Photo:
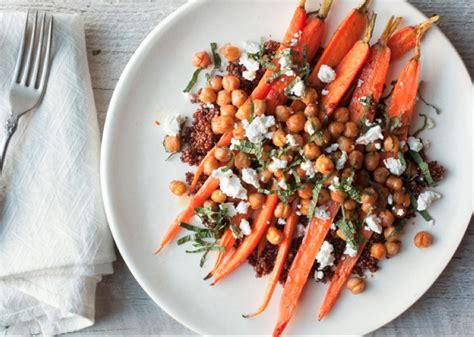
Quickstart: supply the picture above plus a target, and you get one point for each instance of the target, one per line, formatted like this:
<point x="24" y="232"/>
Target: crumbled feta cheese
<point x="242" y="207"/>
<point x="430" y="123"/>
<point x="282" y="184"/>
<point x="251" y="66"/>
<point x="298" y="213"/>
<point x="234" y="143"/>
<point x="402" y="84"/>
<point x="298" y="88"/>
<point x="378" y="146"/>
<point x="230" y="184"/>
<point x="400" y="212"/>
<point x="373" y="223"/>
<point x="325" y="256"/>
<point x="231" y="210"/>
<point x="300" y="231"/>
<point x="173" y="123"/>
<point x="390" y="199"/>
<point x="334" y="184"/>
<point x="291" y="140"/>
<point x="326" y="74"/>
<point x="402" y="143"/>
<point x="257" y="131"/>
<point x="333" y="226"/>
<point x="359" y="83"/>
<point x="370" y="136"/>
<point x="324" y="92"/>
<point x="426" y="198"/>
<point x="426" y="143"/>
<point x="249" y="75"/>
<point x="414" y="144"/>
<point x="281" y="221"/>
<point x="331" y="148"/>
<point x="187" y="95"/>
<point x="395" y="166"/>
<point x="245" y="227"/>
<point x="318" y="274"/>
<point x="308" y="167"/>
<point x="322" y="213"/>
<point x="250" y="176"/>
<point x="277" y="164"/>
<point x="341" y="161"/>
<point x="310" y="129"/>
<point x="295" y="38"/>
<point x="285" y="61"/>
<point x="431" y="222"/>
<point x="363" y="100"/>
<point x="350" y="251"/>
<point x="251" y="47"/>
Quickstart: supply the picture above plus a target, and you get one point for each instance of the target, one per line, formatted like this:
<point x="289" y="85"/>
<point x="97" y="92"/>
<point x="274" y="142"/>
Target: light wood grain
<point x="114" y="29"/>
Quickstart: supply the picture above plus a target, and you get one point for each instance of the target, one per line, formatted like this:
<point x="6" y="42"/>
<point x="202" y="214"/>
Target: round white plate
<point x="140" y="207"/>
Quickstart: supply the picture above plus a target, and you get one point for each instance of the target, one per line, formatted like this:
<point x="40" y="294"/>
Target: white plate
<point x="139" y="205"/>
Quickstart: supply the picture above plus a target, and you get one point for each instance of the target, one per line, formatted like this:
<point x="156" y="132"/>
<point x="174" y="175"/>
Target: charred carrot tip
<point x="325" y="8"/>
<point x="157" y="123"/>
<point x="213" y="284"/>
<point x="363" y="6"/>
<point x="208" y="276"/>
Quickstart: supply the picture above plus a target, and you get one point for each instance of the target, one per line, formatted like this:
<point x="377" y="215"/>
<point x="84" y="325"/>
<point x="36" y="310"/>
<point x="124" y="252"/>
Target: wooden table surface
<point x="113" y="32"/>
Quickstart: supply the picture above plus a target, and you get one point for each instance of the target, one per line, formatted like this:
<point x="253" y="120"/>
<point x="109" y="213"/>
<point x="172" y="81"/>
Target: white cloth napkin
<point x="55" y="244"/>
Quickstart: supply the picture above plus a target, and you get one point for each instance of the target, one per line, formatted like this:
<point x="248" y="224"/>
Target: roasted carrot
<point x="341" y="276"/>
<point x="346" y="72"/>
<point x="373" y="76"/>
<point x="202" y="195"/>
<point x="405" y="39"/>
<point x="251" y="241"/>
<point x="283" y="250"/>
<point x="301" y="266"/>
<point x="346" y="35"/>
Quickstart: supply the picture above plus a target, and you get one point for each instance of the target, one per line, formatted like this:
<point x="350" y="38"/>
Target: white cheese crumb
<point x="426" y="198"/>
<point x="350" y="251"/>
<point x="250" y="176"/>
<point x="400" y="212"/>
<point x="325" y="256"/>
<point x="277" y="164"/>
<point x="245" y="227"/>
<point x="234" y="143"/>
<point x="332" y="148"/>
<point x="251" y="66"/>
<point x="308" y="167"/>
<point x="341" y="161"/>
<point x="300" y="231"/>
<point x="373" y="223"/>
<point x="370" y="136"/>
<point x="333" y="226"/>
<point x="322" y="213"/>
<point x="359" y="83"/>
<point x="390" y="199"/>
<point x="282" y="184"/>
<point x="318" y="274"/>
<point x="257" y="131"/>
<point x="249" y="75"/>
<point x="378" y="146"/>
<point x="230" y="184"/>
<point x="298" y="88"/>
<point x="281" y="221"/>
<point x="431" y="222"/>
<point x="242" y="207"/>
<point x="173" y="123"/>
<point x="430" y="123"/>
<point x="395" y="166"/>
<point x="251" y="47"/>
<point x="291" y="140"/>
<point x="294" y="40"/>
<point x="326" y="74"/>
<point x="231" y="210"/>
<point x="310" y="129"/>
<point x="334" y="184"/>
<point x="298" y="213"/>
<point x="414" y="144"/>
<point x="324" y="92"/>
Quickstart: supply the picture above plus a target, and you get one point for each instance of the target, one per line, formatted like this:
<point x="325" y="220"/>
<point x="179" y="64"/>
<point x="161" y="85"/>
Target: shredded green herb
<point x="275" y="75"/>
<point x="398" y="228"/>
<point x="215" y="56"/>
<point x="367" y="102"/>
<point x="424" y="214"/>
<point x="434" y="107"/>
<point x="316" y="189"/>
<point x="423" y="127"/>
<point x="349" y="229"/>
<point x="346" y="186"/>
<point x="401" y="157"/>
<point x="391" y="90"/>
<point x="193" y="80"/>
<point x="424" y="168"/>
<point x="248" y="147"/>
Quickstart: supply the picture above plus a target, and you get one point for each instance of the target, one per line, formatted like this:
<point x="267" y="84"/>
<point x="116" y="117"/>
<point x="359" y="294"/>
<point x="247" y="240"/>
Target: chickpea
<point x="256" y="200"/>
<point x="336" y="129"/>
<point x="312" y="125"/>
<point x="350" y="204"/>
<point x="223" y="154"/>
<point x="311" y="151"/>
<point x="362" y="178"/>
<point x="266" y="152"/>
<point x="399" y="197"/>
<point x="172" y="144"/>
<point x="215" y="82"/>
<point x="391" y="233"/>
<point x="323" y="139"/>
<point x="305" y="205"/>
<point x="244" y="112"/>
<point x="178" y="187"/>
<point x="274" y="235"/>
<point x="340" y="234"/>
<point x="298" y="140"/>
<point x="372" y="161"/>
<point x="210" y="164"/>
<point x="218" y="196"/>
<point x="369" y="196"/>
<point x="391" y="144"/>
<point x="381" y="174"/>
<point x="341" y="115"/>
<point x="242" y="160"/>
<point x="378" y="251"/>
<point x="346" y="173"/>
<point x="259" y="107"/>
<point x="296" y="122"/>
<point x="201" y="59"/>
<point x="306" y="191"/>
<point x="338" y="196"/>
<point x="423" y="239"/>
<point x="301" y="173"/>
<point x="223" y="98"/>
<point x="386" y="218"/>
<point x="282" y="113"/>
<point x="324" y="164"/>
<point x="392" y="247"/>
<point x="356" y="285"/>
<point x="282" y="210"/>
<point x="311" y="110"/>
<point x="310" y="97"/>
<point x="394" y="183"/>
<point x="210" y="204"/>
<point x="367" y="208"/>
<point x="228" y="110"/>
<point x="323" y="196"/>
<point x="346" y="144"/>
<point x="230" y="82"/>
<point x="230" y="52"/>
<point x="265" y="176"/>
<point x="239" y="97"/>
<point x="371" y="147"/>
<point x="356" y="159"/>
<point x="298" y="105"/>
<point x="351" y="130"/>
<point x="221" y="124"/>
<point x="238" y="132"/>
<point x="207" y="95"/>
<point x="279" y="138"/>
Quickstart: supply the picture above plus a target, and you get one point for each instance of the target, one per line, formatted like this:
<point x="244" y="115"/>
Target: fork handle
<point x="10" y="128"/>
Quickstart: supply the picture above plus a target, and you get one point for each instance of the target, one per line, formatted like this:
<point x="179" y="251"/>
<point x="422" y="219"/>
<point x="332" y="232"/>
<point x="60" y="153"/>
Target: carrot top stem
<point x="419" y="35"/>
<point x="325" y="8"/>
<point x="302" y="3"/>
<point x="363" y="8"/>
<point x="370" y="28"/>
<point x="392" y="24"/>
<point x="425" y="25"/>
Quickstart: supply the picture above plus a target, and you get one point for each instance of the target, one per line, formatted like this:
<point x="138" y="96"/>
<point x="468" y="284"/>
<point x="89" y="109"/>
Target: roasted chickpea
<point x="306" y="191"/>
<point x="230" y="52"/>
<point x="242" y="160"/>
<point x="310" y="96"/>
<point x="371" y="161"/>
<point x="298" y="105"/>
<point x="311" y="110"/>
<point x="238" y="132"/>
<point x="356" y="158"/>
<point x="338" y="196"/>
<point x="256" y="200"/>
<point x="210" y="204"/>
<point x="228" y="110"/>
<point x="178" y="187"/>
<point x="221" y="124"/>
<point x="210" y="164"/>
<point x="369" y="196"/>
<point x="312" y="125"/>
<point x="207" y="95"/>
<point x="223" y="98"/>
<point x="378" y="251"/>
<point x="218" y="196"/>
<point x="296" y="122"/>
<point x="265" y="176"/>
<point x="279" y="138"/>
<point x="399" y="197"/>
<point x="392" y="247"/>
<point x="356" y="285"/>
<point x="172" y="144"/>
<point x="238" y="97"/>
<point x="372" y="147"/>
<point x="351" y="130"/>
<point x="282" y="210"/>
<point x="336" y="129"/>
<point x="215" y="82"/>
<point x="350" y="204"/>
<point x="324" y="164"/>
<point x="323" y="196"/>
<point x="394" y="183"/>
<point x="423" y="239"/>
<point x="282" y="113"/>
<point x="259" y="106"/>
<point x="223" y="154"/>
<point x="274" y="235"/>
<point x="341" y="115"/>
<point x="346" y="144"/>
<point x="346" y="173"/>
<point x="244" y="112"/>
<point x="362" y="178"/>
<point x="391" y="144"/>
<point x="201" y="59"/>
<point x="381" y="174"/>
<point x="386" y="217"/>
<point x="230" y="82"/>
<point x="311" y="151"/>
<point x="305" y="205"/>
<point x="298" y="140"/>
<point x="323" y="139"/>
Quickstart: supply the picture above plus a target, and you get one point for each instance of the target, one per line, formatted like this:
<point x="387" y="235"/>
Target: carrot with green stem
<point x="302" y="264"/>
<point x="251" y="241"/>
<point x="346" y="72"/>
<point x="283" y="250"/>
<point x="405" y="39"/>
<point x="373" y="76"/>
<point x="346" y="35"/>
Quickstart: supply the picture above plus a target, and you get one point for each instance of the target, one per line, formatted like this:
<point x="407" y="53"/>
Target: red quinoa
<point x="202" y="179"/>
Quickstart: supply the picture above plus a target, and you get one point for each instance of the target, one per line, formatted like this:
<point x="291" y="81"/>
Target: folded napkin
<point x="54" y="241"/>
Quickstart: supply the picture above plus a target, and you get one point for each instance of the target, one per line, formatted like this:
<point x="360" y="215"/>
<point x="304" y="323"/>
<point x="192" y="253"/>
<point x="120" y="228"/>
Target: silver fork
<point x="30" y="76"/>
